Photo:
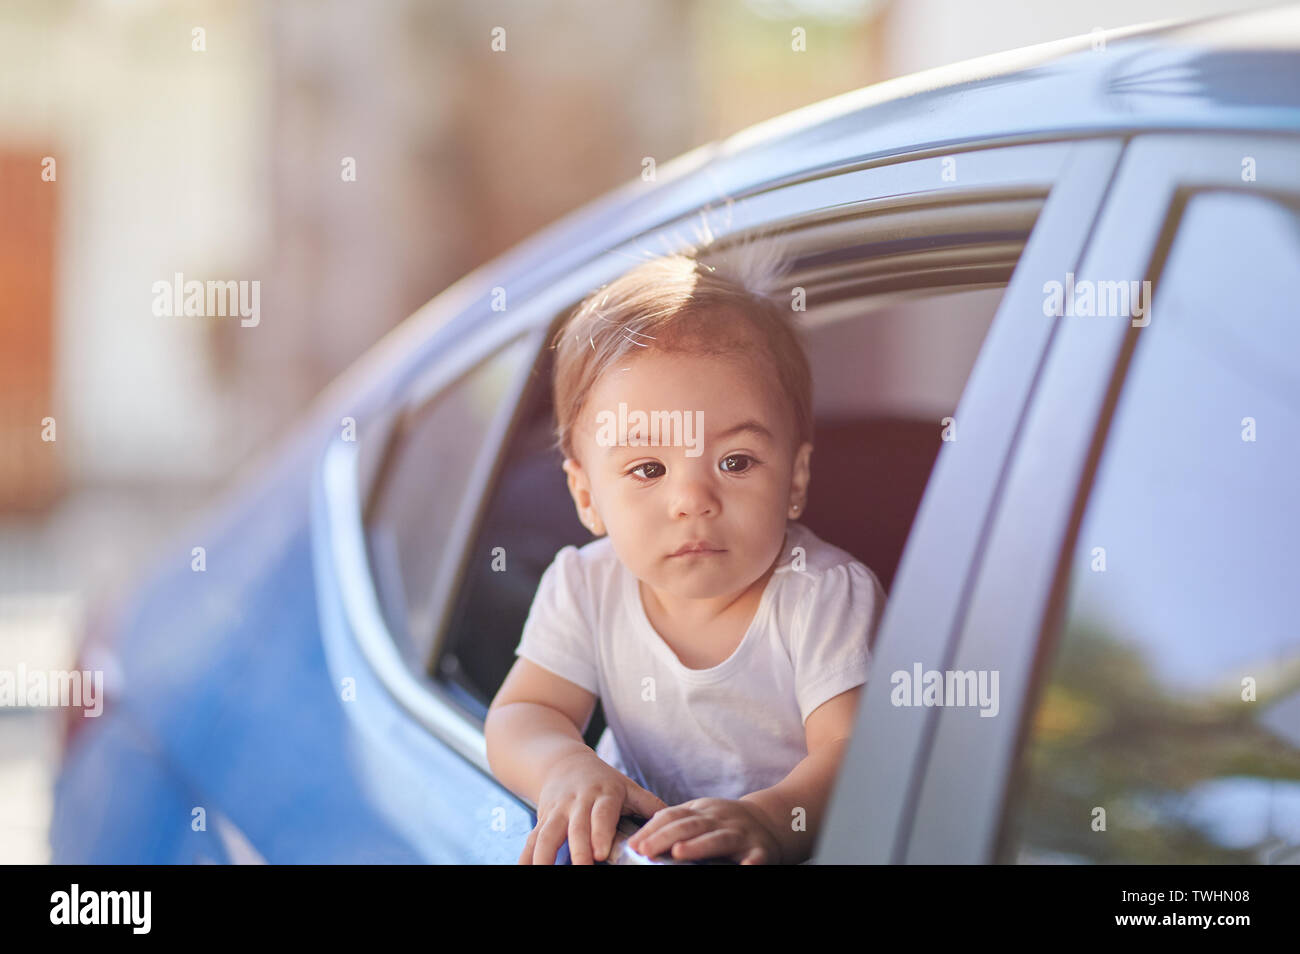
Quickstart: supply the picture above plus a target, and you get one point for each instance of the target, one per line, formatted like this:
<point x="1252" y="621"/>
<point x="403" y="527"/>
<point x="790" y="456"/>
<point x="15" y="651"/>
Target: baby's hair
<point x="711" y="304"/>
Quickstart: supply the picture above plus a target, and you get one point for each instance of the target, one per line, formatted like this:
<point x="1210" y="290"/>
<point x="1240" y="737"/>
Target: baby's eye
<point x="736" y="463"/>
<point x="648" y="465"/>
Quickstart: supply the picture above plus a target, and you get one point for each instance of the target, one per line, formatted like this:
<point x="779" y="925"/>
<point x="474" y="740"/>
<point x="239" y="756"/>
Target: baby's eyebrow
<point x="750" y="425"/>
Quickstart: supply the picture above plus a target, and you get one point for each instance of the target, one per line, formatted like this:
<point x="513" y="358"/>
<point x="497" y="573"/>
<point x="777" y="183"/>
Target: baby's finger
<point x="674" y="831"/>
<point x="580" y="834"/>
<point x="642" y="802"/>
<point x="605" y="814"/>
<point x="660" y="819"/>
<point x="526" y="856"/>
<point x="549" y="840"/>
<point x="713" y="844"/>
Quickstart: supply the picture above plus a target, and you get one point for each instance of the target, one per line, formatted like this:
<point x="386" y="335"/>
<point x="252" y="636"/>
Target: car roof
<point x="1233" y="72"/>
<point x="1239" y="72"/>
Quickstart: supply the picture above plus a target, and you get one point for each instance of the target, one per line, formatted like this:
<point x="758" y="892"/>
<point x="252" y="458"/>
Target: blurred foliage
<point x="1107" y="733"/>
<point x="749" y="72"/>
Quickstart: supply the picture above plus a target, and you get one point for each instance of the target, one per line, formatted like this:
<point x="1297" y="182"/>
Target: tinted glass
<point x="530" y="517"/>
<point x="1172" y="701"/>
<point x="423" y="484"/>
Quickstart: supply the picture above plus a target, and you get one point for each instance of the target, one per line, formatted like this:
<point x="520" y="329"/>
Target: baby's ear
<point x="803" y="457"/>
<point x="580" y="490"/>
<point x="801" y="474"/>
<point x="577" y="477"/>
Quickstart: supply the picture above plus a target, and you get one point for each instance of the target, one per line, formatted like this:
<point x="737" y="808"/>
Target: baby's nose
<point x="695" y="498"/>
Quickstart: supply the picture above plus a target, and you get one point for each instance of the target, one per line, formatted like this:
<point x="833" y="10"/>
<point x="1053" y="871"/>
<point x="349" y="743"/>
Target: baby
<point x="727" y="643"/>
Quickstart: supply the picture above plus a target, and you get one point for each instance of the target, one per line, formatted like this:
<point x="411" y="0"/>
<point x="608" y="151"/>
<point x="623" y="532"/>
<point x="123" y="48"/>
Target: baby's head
<point x="683" y="405"/>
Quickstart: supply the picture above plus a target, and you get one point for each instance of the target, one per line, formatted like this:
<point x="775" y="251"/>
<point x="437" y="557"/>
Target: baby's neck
<point x="699" y="614"/>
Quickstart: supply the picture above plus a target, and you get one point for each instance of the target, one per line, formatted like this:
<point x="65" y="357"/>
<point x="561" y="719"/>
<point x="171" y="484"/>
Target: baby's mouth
<point x="697" y="549"/>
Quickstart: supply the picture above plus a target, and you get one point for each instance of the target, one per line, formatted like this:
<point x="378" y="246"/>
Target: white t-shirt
<point x="721" y="732"/>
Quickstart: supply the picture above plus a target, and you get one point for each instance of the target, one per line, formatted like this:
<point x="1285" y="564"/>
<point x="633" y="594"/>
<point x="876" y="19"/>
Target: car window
<point x="528" y="519"/>
<point x="1168" y="726"/>
<point x="876" y="442"/>
<point x="909" y="280"/>
<point x="421" y="487"/>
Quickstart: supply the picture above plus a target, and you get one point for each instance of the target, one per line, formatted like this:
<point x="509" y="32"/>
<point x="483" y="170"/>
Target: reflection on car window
<point x="422" y="487"/>
<point x="529" y="516"/>
<point x="1171" y="712"/>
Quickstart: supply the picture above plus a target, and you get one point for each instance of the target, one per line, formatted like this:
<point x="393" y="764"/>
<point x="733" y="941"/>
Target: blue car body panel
<point x="232" y="701"/>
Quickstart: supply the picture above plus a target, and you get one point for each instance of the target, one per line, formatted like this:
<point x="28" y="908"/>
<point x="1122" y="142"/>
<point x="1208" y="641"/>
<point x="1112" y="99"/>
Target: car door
<point x="425" y="694"/>
<point x="870" y="811"/>
<point x="1134" y="593"/>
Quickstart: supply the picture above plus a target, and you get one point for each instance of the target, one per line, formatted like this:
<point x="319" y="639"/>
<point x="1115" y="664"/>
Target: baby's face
<point x="726" y="479"/>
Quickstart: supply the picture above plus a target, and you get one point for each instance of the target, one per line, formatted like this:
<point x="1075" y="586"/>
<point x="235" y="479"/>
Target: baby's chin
<point x="697" y="581"/>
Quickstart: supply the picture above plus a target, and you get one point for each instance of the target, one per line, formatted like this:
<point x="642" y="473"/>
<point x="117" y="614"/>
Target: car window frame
<point x="922" y="618"/>
<point x="985" y="171"/>
<point x="1017" y="606"/>
<point x="340" y="493"/>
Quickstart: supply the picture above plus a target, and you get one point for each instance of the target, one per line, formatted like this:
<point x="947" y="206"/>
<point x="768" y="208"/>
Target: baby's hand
<point x="582" y="799"/>
<point x="709" y="828"/>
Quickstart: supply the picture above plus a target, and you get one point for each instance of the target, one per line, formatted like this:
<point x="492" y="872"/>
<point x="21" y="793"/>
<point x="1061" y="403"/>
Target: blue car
<point x="1053" y="316"/>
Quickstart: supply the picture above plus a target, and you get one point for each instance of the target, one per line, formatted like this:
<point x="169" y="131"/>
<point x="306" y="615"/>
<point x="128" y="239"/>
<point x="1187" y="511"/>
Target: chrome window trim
<point x="427" y="702"/>
<point x="343" y="494"/>
<point x="1007" y="172"/>
<point x="962" y="799"/>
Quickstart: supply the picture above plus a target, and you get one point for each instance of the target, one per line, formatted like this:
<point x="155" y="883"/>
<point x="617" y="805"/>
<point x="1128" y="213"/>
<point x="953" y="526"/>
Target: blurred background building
<point x="354" y="159"/>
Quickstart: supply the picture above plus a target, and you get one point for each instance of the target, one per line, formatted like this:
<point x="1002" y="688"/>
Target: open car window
<point x="892" y="329"/>
<point x="901" y="266"/>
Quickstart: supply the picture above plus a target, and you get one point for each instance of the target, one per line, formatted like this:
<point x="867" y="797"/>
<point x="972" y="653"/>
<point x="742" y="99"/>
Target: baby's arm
<point x="533" y="722"/>
<point x="535" y="748"/>
<point x="808" y="786"/>
<point x="758" y="828"/>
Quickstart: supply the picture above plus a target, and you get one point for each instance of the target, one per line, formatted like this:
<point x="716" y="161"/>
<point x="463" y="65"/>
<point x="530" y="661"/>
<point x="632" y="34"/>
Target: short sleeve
<point x="557" y="635"/>
<point x="830" y="641"/>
